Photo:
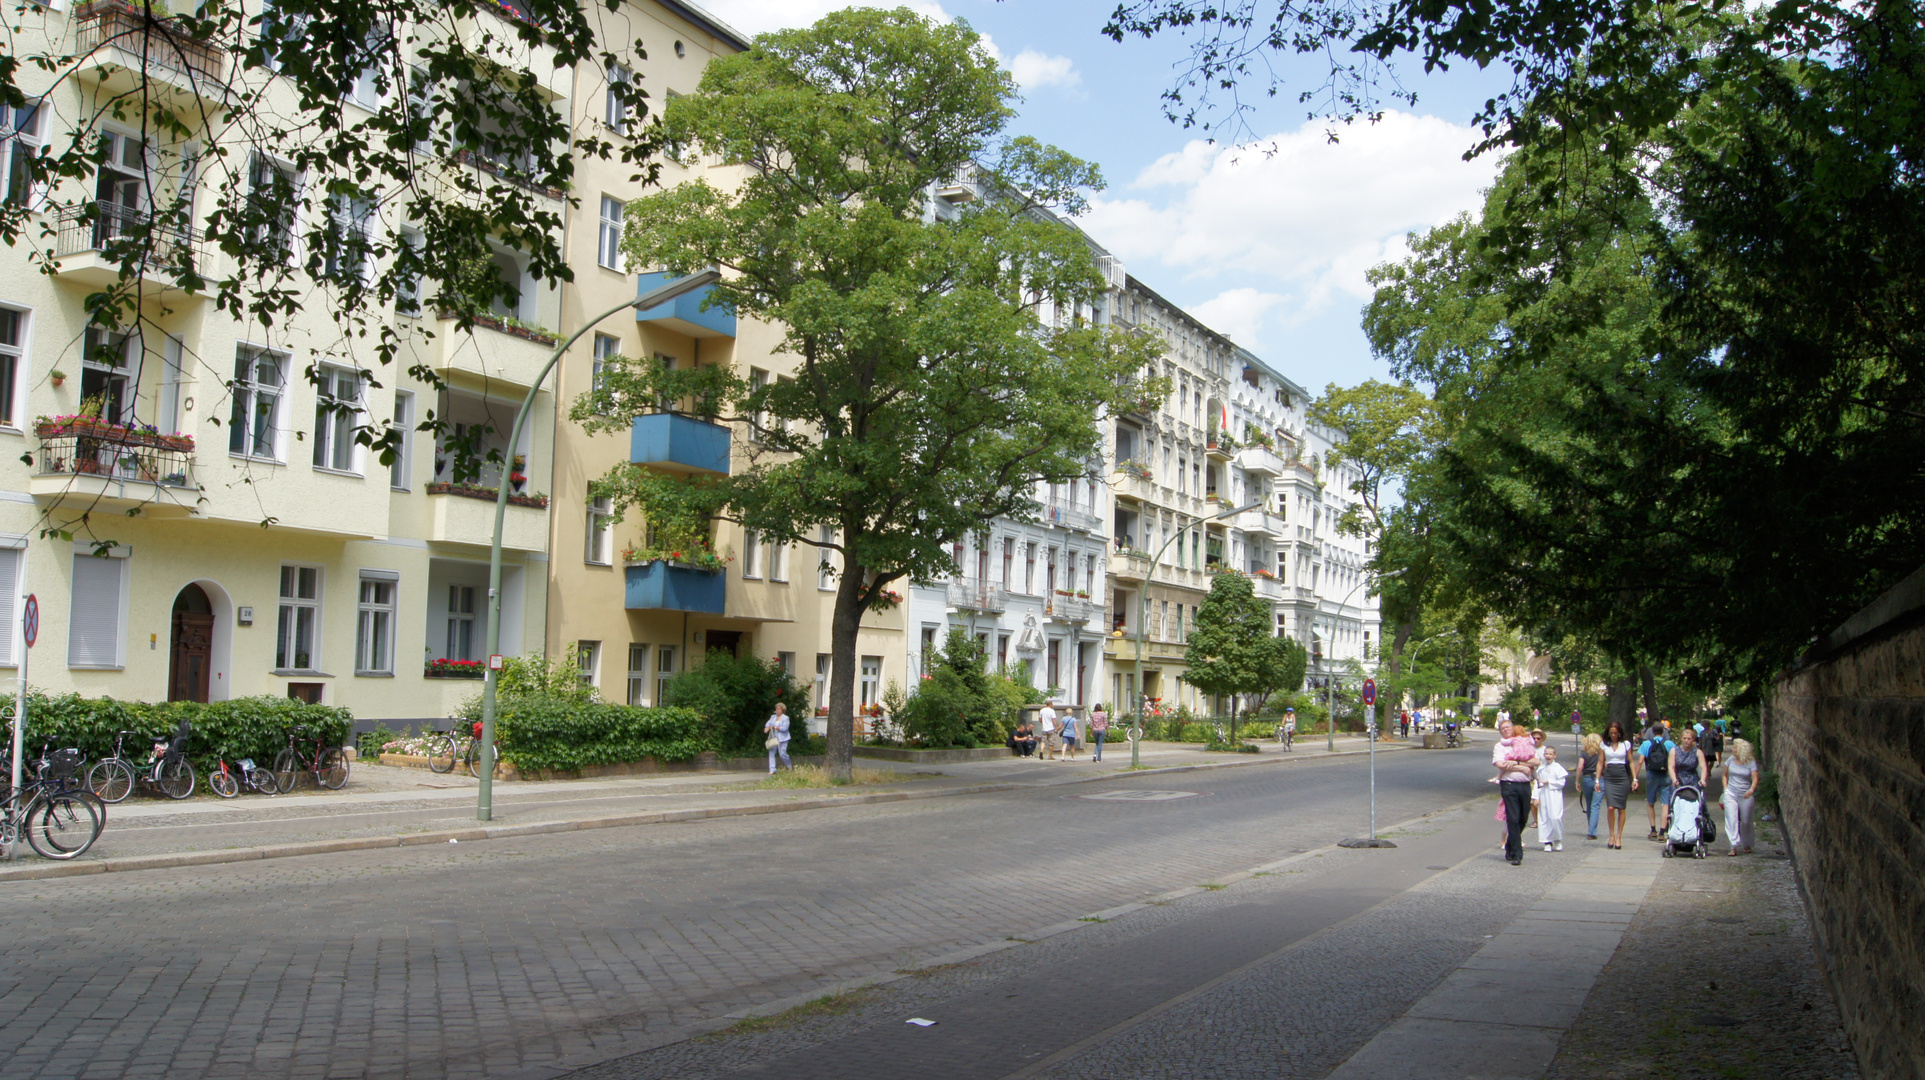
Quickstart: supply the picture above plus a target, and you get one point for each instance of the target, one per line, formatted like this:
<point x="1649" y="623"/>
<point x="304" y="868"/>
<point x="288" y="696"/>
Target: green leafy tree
<point x="735" y="696"/>
<point x="957" y="703"/>
<point x="1234" y="648"/>
<point x="928" y="398"/>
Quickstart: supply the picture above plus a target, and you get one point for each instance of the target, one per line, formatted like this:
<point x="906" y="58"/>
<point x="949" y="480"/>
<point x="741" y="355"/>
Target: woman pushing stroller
<point x="1690" y="821"/>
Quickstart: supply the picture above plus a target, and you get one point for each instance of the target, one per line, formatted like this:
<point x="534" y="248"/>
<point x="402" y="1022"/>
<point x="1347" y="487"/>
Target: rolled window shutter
<point x="93" y="634"/>
<point x="10" y="602"/>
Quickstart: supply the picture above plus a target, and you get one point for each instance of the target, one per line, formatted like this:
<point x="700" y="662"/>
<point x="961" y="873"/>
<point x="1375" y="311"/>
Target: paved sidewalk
<point x="385" y="806"/>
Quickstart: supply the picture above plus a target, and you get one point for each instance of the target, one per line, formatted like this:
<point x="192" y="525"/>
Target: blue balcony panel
<point x="679" y="444"/>
<point x="661" y="586"/>
<point x="684" y="314"/>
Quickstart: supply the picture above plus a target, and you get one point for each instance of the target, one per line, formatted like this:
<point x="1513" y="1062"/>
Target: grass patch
<point x="815" y="776"/>
<point x="826" y="1005"/>
<point x="1211" y="887"/>
<point x="1091" y="918"/>
<point x="927" y="972"/>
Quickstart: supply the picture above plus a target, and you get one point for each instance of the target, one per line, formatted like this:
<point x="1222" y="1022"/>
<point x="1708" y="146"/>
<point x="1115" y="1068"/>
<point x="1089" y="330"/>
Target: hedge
<point x="254" y="727"/>
<point x="536" y="732"/>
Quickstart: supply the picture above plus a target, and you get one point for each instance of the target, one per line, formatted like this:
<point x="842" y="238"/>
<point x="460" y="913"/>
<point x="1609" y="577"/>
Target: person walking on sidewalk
<point x="1046" y="731"/>
<point x="1099" y="729"/>
<point x="1740" y="793"/>
<point x="1515" y="759"/>
<point x="1687" y="764"/>
<point x="1616" y="780"/>
<point x="1537" y="739"/>
<point x="1069" y="736"/>
<point x="1550" y="801"/>
<point x="1588" y="796"/>
<point x="776" y="738"/>
<point x="1654" y="754"/>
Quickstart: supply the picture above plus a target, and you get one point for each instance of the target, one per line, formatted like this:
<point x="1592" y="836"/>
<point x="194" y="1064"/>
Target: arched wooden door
<point x="190" y="646"/>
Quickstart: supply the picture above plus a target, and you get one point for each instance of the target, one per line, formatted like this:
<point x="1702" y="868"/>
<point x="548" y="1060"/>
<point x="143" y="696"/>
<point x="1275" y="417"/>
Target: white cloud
<point x="1032" y="69"/>
<point x="1294" y="220"/>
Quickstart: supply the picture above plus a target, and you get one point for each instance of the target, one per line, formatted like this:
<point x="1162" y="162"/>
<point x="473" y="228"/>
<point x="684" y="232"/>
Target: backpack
<point x="1713" y="742"/>
<point x="1657" y="760"/>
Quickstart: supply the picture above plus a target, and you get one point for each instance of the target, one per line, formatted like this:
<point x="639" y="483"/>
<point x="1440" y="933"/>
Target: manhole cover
<point x="1717" y="1020"/>
<point x="1139" y="796"/>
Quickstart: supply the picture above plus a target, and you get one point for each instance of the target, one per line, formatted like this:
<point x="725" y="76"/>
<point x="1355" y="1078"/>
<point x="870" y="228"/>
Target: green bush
<point x="566" y="734"/>
<point x="254" y="727"/>
<point x="1489" y="716"/>
<point x="956" y="703"/>
<point x="735" y="696"/>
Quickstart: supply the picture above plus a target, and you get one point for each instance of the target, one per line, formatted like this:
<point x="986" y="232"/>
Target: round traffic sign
<point x="1370" y="691"/>
<point x="30" y="620"/>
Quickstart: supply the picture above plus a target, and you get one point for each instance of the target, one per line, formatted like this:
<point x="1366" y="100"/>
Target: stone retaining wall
<point x="1845" y="734"/>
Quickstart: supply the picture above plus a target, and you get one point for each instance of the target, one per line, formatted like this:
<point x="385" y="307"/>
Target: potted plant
<point x="58" y="376"/>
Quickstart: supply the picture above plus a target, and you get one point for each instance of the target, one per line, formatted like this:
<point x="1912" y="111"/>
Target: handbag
<point x="772" y="741"/>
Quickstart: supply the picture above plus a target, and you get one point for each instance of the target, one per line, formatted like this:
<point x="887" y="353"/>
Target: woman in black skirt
<point x="1614" y="777"/>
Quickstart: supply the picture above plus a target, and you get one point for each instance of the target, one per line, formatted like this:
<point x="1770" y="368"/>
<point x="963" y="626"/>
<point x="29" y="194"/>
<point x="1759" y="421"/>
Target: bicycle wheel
<point x="480" y="762"/>
<point x="224" y="783"/>
<point x="441" y="753"/>
<point x="61" y="826"/>
<point x="287" y="770"/>
<point x="265" y="782"/>
<point x="111" y="779"/>
<point x="332" y="771"/>
<point x="177" y="778"/>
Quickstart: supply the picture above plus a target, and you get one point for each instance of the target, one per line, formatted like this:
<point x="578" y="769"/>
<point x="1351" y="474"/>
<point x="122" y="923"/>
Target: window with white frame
<point x="758" y="381"/>
<point x="97" y="617"/>
<point x="822" y="662"/>
<point x="337" y="411"/>
<point x="297" y="639"/>
<point x="9" y="597"/>
<point x="588" y="658"/>
<point x="407" y="284"/>
<point x="13" y="344"/>
<point x="421" y="109"/>
<point x="786" y="661"/>
<point x="348" y="240"/>
<point x="751" y="555"/>
<point x="402" y="427"/>
<point x="20" y="140"/>
<point x="600" y="539"/>
<point x="607" y="348"/>
<point x="273" y="193"/>
<point x="871" y="680"/>
<point x="664" y="671"/>
<point x="461" y="623"/>
<point x="608" y="237"/>
<point x="281" y="34"/>
<point x="637" y="674"/>
<point x="615" y="106"/>
<point x="374" y="623"/>
<point x="365" y="90"/>
<point x="825" y="571"/>
<point x="778" y="562"/>
<point x="260" y="382"/>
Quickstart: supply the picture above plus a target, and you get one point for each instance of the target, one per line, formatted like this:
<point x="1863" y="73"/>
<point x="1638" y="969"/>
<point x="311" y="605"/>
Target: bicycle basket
<point x="60" y="764"/>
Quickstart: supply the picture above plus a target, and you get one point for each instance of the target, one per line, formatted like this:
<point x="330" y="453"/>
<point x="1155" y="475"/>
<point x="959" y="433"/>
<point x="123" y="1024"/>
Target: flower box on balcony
<point x="475" y="491"/>
<point x="454" y="669"/>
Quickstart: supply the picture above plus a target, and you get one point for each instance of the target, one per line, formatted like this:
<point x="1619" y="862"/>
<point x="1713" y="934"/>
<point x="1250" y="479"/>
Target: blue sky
<point x="1267" y="242"/>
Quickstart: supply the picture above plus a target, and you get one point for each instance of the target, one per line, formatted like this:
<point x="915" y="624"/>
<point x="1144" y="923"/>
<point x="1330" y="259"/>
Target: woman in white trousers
<point x="1740" y="774"/>
<point x="1550" y="801"/>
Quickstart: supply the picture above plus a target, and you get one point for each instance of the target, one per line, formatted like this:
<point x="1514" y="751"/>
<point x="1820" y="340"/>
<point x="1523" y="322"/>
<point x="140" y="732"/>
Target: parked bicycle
<point x="443" y="750"/>
<point x="165" y="770"/>
<point x="475" y="760"/>
<point x="244" y="776"/>
<point x="328" y="765"/>
<point x="58" y="818"/>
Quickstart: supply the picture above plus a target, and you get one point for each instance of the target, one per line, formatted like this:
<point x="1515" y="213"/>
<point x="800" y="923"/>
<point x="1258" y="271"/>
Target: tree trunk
<point x="838" y="756"/>
<point x="1650" y="692"/>
<point x="1621" y="702"/>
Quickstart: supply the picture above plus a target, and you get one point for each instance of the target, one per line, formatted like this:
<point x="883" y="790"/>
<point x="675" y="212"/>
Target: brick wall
<point x="1845" y="733"/>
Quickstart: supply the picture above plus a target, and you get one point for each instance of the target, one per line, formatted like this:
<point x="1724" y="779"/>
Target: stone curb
<point x="172" y="860"/>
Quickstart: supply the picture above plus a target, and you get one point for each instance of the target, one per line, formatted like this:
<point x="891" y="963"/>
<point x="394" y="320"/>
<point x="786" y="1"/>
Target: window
<point x="347" y="238"/>
<point x="281" y="34"/>
<point x="608" y="243"/>
<point x="778" y="562"/>
<point x="407" y="282"/>
<point x="1002" y="652"/>
<point x="260" y="379"/>
<point x="19" y="144"/>
<point x="1029" y="568"/>
<point x="1179" y="624"/>
<point x="9" y="595"/>
<point x="337" y="410"/>
<point x="822" y="661"/>
<point x="297" y="639"/>
<point x="638" y="674"/>
<point x="104" y="368"/>
<point x="13" y="337"/>
<point x="402" y="428"/>
<point x="825" y="572"/>
<point x="1009" y="562"/>
<point x="461" y="623"/>
<point x="421" y="109"/>
<point x="751" y="555"/>
<point x="374" y="624"/>
<point x="1163" y="626"/>
<point x="606" y="349"/>
<point x="1055" y="663"/>
<point x="588" y="656"/>
<point x="365" y="91"/>
<point x="272" y="193"/>
<point x="599" y="531"/>
<point x="615" y="105"/>
<point x="95" y="628"/>
<point x="664" y="671"/>
<point x="758" y="382"/>
<point x="871" y="680"/>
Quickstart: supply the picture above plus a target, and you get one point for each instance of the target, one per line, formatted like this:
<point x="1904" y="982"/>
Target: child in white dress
<point x="1551" y="778"/>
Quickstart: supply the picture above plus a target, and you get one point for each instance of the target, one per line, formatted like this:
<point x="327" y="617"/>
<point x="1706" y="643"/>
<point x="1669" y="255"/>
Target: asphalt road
<point x="536" y="956"/>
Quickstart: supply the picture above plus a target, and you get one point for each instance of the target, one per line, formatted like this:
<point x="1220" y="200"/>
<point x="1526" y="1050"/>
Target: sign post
<point x="29" y="633"/>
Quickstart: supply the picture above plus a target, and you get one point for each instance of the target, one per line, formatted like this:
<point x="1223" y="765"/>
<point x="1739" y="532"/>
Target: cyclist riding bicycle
<point x="1287" y="730"/>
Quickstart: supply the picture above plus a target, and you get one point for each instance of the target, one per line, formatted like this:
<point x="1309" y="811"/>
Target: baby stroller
<point x="1692" y="831"/>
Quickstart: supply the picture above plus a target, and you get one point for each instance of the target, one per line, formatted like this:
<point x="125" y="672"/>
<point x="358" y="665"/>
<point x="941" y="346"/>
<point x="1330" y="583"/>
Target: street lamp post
<point x="1143" y="618"/>
<point x="484" y="802"/>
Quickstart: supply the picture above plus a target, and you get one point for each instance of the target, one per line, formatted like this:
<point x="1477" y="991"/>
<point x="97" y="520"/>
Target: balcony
<point x="1260" y="460"/>
<point x="1258" y="521"/>
<point x="1071" y="609"/>
<point x="95" y="241"/>
<point x="465" y="514"/>
<point x="1071" y="517"/>
<point x="1133" y="482"/>
<point x="100" y="466"/>
<point x="128" y="51"/>
<point x="1220" y="446"/>
<point x="975" y="594"/>
<point x="664" y="586"/>
<point x="683" y="445"/>
<point x="507" y="170"/>
<point x="1266" y="588"/>
<point x="1129" y="566"/>
<point x="684" y="314"/>
<point x="509" y="351"/>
